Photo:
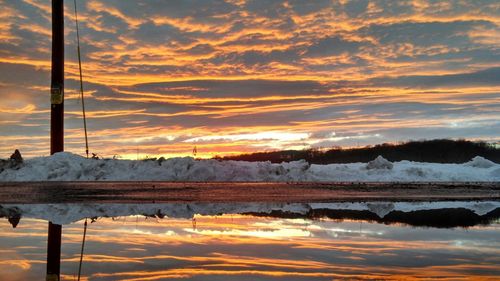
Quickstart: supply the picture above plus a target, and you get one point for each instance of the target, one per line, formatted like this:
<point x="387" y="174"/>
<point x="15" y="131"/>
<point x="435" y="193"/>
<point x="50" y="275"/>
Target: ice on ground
<point x="66" y="166"/>
<point x="68" y="213"/>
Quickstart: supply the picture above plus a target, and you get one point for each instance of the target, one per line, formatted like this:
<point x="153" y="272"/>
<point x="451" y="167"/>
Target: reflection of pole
<point x="83" y="246"/>
<point x="56" y="127"/>
<point x="54" y="252"/>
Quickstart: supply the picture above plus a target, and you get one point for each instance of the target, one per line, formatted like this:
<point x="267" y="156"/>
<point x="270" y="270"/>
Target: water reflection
<point x="435" y="214"/>
<point x="279" y="246"/>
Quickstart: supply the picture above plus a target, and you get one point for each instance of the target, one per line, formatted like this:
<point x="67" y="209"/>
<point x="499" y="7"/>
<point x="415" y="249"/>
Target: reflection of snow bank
<point x="70" y="167"/>
<point x="67" y="213"/>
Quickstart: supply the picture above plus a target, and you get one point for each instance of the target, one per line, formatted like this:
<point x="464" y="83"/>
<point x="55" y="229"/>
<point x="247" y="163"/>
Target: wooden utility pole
<point x="56" y="128"/>
<point x="57" y="79"/>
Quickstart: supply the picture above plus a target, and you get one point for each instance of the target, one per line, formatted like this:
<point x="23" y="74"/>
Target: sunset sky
<point x="238" y="76"/>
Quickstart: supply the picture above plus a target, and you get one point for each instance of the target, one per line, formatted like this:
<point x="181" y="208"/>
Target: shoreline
<point x="234" y="192"/>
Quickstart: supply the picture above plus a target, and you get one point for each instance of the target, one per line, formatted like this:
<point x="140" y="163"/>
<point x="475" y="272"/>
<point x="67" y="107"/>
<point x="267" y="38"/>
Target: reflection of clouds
<point x="264" y="233"/>
<point x="230" y="68"/>
<point x="335" y="231"/>
<point x="239" y="246"/>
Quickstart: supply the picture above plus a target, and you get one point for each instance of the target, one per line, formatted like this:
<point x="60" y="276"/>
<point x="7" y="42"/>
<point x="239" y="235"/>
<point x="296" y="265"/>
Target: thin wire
<point x="83" y="245"/>
<point x="81" y="82"/>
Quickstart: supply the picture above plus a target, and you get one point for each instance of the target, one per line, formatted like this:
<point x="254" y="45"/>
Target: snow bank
<point x="68" y="213"/>
<point x="70" y="167"/>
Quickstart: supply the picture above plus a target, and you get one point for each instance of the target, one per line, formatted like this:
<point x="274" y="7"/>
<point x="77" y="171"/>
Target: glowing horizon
<point x="233" y="77"/>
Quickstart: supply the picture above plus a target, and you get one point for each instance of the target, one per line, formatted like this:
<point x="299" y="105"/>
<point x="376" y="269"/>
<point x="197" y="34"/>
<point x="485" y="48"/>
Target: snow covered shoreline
<point x="65" y="166"/>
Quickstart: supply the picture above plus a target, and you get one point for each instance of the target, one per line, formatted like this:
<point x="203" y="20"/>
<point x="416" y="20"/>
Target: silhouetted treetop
<point x="434" y="151"/>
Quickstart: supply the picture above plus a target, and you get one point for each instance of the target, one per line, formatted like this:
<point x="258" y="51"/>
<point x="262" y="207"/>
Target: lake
<point x="317" y="241"/>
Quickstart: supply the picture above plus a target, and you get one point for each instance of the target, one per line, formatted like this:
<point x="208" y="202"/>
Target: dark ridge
<point x="439" y="218"/>
<point x="433" y="151"/>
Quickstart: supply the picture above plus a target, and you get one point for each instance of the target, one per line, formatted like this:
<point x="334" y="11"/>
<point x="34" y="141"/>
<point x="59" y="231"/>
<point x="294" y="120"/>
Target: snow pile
<point x="480" y="162"/>
<point x="68" y="213"/>
<point x="70" y="167"/>
<point x="379" y="163"/>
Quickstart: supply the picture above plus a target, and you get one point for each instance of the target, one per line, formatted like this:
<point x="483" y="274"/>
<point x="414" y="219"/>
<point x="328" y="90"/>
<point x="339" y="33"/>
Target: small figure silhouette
<point x="16" y="157"/>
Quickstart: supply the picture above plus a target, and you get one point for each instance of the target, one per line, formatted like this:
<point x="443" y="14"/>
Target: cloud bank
<point x="238" y="76"/>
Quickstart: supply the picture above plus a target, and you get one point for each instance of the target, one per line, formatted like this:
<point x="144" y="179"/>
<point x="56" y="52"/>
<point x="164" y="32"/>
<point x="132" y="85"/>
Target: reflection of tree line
<point x="441" y="218"/>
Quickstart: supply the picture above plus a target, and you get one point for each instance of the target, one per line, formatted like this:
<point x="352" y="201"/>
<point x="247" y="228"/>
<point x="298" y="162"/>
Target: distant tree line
<point x="435" y="151"/>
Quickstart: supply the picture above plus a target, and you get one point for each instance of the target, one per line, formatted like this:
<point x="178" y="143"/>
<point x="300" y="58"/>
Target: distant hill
<point x="435" y="151"/>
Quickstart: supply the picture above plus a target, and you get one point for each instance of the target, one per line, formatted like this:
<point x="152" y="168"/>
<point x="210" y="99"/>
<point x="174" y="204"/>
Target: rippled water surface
<point x="245" y="247"/>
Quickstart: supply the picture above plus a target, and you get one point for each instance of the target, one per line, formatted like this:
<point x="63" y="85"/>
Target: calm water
<point x="246" y="247"/>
